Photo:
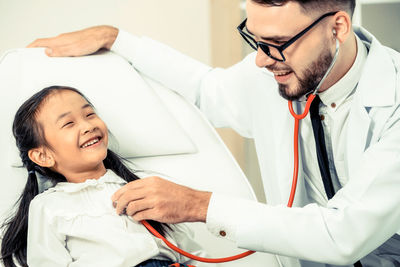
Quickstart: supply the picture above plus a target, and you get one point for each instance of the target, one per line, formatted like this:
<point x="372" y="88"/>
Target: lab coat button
<point x="333" y="105"/>
<point x="222" y="233"/>
<point x="322" y="117"/>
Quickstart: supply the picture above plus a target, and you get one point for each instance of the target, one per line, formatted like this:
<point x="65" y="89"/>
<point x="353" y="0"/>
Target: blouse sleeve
<point x="45" y="247"/>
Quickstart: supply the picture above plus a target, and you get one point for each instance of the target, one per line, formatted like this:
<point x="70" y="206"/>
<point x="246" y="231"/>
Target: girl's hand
<point x="79" y="43"/>
<point x="154" y="198"/>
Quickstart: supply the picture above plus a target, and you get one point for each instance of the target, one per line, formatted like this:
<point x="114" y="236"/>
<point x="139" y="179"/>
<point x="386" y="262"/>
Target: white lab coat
<point x="360" y="217"/>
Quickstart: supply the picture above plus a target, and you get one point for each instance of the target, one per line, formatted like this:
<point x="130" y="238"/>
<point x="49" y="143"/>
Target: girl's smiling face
<point x="77" y="138"/>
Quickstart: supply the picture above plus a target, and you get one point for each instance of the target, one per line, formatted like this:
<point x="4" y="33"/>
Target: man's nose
<point x="263" y="60"/>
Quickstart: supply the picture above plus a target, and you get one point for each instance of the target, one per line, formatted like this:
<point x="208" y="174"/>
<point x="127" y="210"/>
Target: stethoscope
<point x="297" y="118"/>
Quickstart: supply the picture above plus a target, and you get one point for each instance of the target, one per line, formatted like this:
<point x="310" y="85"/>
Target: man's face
<point x="307" y="59"/>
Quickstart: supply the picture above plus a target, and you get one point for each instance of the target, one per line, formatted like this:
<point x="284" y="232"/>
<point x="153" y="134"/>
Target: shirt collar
<point x="338" y="92"/>
<point x="108" y="177"/>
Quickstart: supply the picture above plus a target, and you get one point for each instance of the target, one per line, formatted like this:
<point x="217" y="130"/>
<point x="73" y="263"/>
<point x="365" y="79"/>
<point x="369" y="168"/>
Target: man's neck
<point x="347" y="56"/>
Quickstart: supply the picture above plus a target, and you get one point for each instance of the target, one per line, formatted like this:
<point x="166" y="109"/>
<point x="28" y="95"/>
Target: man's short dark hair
<point x="315" y="5"/>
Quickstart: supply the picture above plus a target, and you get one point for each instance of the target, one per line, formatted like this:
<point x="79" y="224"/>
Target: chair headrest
<point x="133" y="112"/>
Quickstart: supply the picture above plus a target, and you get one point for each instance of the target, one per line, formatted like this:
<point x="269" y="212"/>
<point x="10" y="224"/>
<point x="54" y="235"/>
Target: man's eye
<point x="279" y="43"/>
<point x="90" y="114"/>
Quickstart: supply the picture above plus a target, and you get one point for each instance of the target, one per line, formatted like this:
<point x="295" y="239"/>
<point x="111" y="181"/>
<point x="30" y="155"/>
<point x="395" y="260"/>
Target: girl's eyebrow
<point x="87" y="105"/>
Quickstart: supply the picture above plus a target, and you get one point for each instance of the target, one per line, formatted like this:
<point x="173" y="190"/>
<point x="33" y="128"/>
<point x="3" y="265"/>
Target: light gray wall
<point x="383" y="20"/>
<point x="181" y="24"/>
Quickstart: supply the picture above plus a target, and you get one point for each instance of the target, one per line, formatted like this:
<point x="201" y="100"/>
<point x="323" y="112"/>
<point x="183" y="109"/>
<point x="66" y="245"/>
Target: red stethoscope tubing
<point x="191" y="256"/>
<point x="297" y="118"/>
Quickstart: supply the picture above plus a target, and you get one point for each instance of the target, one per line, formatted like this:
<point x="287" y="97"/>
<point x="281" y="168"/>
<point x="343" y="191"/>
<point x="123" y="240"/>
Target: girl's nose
<point x="88" y="127"/>
<point x="263" y="60"/>
<point x="88" y="131"/>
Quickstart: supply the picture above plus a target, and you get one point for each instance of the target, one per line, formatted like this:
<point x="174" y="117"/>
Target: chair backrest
<point x="154" y="127"/>
<point x="130" y="108"/>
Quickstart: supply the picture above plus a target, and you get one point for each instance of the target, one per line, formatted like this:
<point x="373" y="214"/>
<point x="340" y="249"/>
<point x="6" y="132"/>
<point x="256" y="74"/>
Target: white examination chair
<point x="157" y="129"/>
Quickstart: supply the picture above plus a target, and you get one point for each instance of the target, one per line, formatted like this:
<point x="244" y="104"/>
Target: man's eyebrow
<point x="275" y="38"/>
<point x="87" y="105"/>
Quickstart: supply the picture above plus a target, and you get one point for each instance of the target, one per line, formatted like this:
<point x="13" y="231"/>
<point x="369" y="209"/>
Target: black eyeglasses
<point x="276" y="51"/>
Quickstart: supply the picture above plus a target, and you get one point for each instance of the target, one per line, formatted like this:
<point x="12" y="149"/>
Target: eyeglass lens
<point x="271" y="51"/>
<point x="267" y="49"/>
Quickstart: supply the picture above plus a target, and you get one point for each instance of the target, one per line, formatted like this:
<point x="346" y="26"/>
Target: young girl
<point x="60" y="137"/>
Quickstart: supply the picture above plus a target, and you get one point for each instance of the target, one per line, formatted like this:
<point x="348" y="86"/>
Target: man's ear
<point x="342" y="26"/>
<point x="41" y="158"/>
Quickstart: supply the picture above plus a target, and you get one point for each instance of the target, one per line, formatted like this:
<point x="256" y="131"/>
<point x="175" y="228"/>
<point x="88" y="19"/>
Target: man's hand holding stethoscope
<point x="154" y="198"/>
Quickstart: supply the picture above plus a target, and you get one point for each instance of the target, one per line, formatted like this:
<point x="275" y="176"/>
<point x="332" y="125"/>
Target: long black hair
<point x="29" y="134"/>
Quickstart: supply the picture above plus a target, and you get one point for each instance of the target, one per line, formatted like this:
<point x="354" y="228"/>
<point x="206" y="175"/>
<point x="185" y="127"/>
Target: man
<point x="342" y="211"/>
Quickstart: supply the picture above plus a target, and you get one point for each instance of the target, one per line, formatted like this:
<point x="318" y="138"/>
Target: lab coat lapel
<point x="358" y="128"/>
<point x="376" y="88"/>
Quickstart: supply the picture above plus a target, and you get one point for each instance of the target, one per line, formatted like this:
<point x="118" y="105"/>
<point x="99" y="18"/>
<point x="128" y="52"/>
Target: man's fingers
<point x="51" y="50"/>
<point x="125" y="199"/>
<point x="129" y="186"/>
<point x="117" y="194"/>
<point x="146" y="214"/>
<point x="161" y="200"/>
<point x="137" y="206"/>
<point x="35" y="43"/>
<point x="42" y="42"/>
<point x="127" y="193"/>
<point x="78" y="43"/>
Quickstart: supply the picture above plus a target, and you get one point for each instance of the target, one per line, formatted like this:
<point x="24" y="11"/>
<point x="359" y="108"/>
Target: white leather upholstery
<point x="191" y="152"/>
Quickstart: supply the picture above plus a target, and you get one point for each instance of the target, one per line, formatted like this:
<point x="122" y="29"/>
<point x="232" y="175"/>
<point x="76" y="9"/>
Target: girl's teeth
<point x="90" y="143"/>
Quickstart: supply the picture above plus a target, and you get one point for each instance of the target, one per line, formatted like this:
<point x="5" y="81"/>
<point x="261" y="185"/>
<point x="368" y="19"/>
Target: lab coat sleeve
<point x="45" y="247"/>
<point x="358" y="219"/>
<point x="221" y="94"/>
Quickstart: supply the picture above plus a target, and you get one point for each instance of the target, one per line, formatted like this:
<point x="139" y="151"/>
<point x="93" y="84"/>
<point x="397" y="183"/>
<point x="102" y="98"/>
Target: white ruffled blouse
<point x="75" y="224"/>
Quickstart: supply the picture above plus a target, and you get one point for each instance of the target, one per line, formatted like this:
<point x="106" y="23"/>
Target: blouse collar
<point x="108" y="178"/>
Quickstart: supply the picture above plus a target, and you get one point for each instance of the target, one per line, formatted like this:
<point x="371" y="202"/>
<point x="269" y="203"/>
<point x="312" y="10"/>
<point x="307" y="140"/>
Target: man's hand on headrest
<point x="79" y="43"/>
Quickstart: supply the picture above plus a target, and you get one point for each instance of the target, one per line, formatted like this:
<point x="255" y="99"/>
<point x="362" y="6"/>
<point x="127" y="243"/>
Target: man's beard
<point x="310" y="78"/>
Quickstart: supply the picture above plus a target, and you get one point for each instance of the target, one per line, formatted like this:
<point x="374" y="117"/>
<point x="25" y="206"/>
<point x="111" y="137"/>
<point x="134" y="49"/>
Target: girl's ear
<point x="41" y="158"/>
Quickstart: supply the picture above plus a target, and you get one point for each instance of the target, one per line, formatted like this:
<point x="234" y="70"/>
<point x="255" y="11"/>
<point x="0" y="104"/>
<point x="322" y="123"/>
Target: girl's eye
<point x="90" y="114"/>
<point x="68" y="123"/>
